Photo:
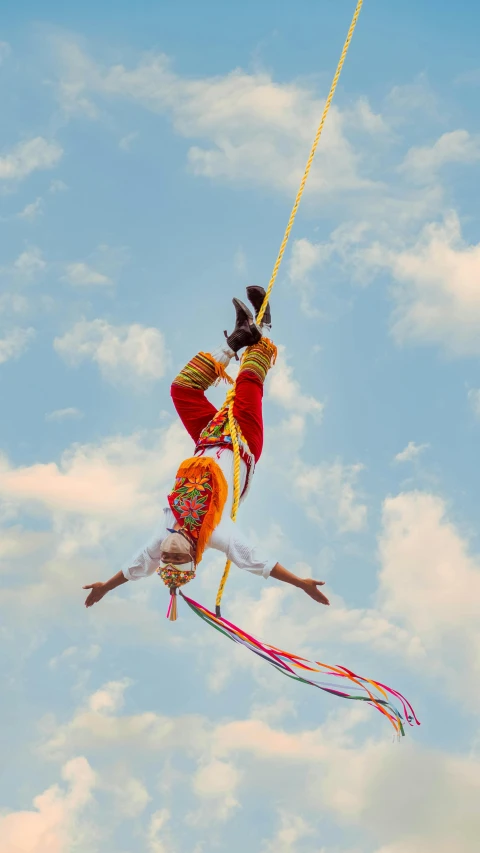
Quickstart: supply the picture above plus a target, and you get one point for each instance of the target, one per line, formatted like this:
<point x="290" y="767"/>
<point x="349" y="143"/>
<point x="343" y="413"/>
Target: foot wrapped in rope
<point x="258" y="359"/>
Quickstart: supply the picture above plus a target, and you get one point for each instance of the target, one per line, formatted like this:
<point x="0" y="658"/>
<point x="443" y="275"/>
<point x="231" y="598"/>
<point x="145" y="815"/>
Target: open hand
<point x="98" y="590"/>
<point x="310" y="586"/>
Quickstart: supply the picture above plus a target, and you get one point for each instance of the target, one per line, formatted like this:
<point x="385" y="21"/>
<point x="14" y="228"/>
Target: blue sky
<point x="149" y="158"/>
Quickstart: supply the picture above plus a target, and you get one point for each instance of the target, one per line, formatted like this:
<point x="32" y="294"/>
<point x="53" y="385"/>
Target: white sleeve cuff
<point x="128" y="574"/>
<point x="142" y="566"/>
<point x="268" y="568"/>
<point x="145" y="562"/>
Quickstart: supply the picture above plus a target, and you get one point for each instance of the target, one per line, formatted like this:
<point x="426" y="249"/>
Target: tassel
<point x="219" y="369"/>
<point x="172" y="607"/>
<point x="270" y="349"/>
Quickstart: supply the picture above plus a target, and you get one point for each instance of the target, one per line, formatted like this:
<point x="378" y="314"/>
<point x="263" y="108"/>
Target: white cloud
<point x="304" y="259"/>
<point x="415" y="798"/>
<point x="458" y="146"/>
<point x="363" y="117"/>
<point x="73" y="655"/>
<point x="328" y="494"/>
<point x="131" y="795"/>
<point x="57" y="186"/>
<point x="404" y="799"/>
<point x="417" y="97"/>
<point x="32" y="210"/>
<point x="13" y="303"/>
<point x="51" y="593"/>
<point x="127" y="141"/>
<point x="285" y="390"/>
<point x="123" y="353"/>
<point x="54" y="824"/>
<point x="97" y="726"/>
<point x="308" y="259"/>
<point x="437" y="294"/>
<point x="27" y="157"/>
<point x="110" y="698"/>
<point x="291" y="621"/>
<point x="15" y="343"/>
<point x="434" y="794"/>
<point x="158" y="822"/>
<point x="131" y="474"/>
<point x="215" y="784"/>
<point x="88" y="530"/>
<point x="100" y="269"/>
<point x="410" y="452"/>
<point x="254" y="144"/>
<point x="275" y="712"/>
<point x="474" y="400"/>
<point x="293" y="828"/>
<point x="256" y="130"/>
<point x="64" y="414"/>
<point x="430" y="584"/>
<point x="82" y="274"/>
<point x="29" y="264"/>
<point x="15" y="542"/>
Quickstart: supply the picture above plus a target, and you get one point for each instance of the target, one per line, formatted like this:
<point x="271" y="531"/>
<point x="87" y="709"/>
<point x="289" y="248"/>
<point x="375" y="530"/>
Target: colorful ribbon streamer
<point x="345" y="683"/>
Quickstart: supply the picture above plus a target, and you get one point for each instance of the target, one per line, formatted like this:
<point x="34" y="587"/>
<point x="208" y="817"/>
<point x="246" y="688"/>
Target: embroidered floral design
<point x="196" y="484"/>
<point x="190" y="501"/>
<point x="173" y="578"/>
<point x="218" y="430"/>
<point x="191" y="510"/>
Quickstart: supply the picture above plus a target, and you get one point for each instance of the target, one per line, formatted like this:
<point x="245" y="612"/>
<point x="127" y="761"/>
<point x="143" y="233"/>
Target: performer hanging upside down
<point x="199" y="506"/>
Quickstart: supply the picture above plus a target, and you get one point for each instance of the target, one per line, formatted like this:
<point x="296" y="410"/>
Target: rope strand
<point x="236" y="487"/>
<point x="231" y="394"/>
<point x="318" y="134"/>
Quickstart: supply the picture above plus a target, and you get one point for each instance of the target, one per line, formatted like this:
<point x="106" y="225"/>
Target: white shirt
<point x="226" y="537"/>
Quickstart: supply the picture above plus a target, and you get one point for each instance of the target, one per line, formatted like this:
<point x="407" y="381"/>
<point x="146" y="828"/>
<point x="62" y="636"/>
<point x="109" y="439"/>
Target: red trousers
<point x="195" y="411"/>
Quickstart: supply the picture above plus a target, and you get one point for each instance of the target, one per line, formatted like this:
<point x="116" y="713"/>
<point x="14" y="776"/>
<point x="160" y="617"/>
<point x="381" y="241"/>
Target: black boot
<point x="256" y="295"/>
<point x="245" y="332"/>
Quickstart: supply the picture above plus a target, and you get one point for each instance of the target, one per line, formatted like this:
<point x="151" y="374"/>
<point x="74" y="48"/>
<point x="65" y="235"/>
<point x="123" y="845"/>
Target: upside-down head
<point x="177" y="550"/>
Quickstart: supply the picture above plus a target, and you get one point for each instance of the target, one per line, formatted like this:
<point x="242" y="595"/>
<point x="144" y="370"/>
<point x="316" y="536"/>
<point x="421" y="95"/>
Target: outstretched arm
<point x="308" y="585"/>
<point x="229" y="539"/>
<point x="143" y="564"/>
<point x="99" y="589"/>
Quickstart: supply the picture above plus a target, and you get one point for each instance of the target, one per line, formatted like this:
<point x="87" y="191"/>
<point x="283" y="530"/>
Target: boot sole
<point x="256" y="292"/>
<point x="239" y="304"/>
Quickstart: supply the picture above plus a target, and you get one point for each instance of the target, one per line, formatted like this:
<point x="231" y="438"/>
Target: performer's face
<point x="176" y="559"/>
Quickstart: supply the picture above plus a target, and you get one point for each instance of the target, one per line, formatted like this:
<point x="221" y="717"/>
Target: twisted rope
<point x="231" y="394"/>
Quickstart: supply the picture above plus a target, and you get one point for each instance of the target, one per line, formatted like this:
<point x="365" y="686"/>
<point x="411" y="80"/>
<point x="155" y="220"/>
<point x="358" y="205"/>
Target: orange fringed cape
<point x="197" y="499"/>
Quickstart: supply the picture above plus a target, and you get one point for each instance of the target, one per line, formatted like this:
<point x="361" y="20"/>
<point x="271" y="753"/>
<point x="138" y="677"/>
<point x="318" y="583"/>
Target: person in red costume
<point x="197" y="515"/>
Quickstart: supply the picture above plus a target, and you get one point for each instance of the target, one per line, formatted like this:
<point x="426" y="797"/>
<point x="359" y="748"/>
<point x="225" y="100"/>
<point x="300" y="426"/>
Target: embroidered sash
<point x="197" y="500"/>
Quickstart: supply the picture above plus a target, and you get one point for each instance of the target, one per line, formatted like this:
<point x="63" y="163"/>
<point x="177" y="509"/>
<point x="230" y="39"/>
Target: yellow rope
<point x="231" y="394"/>
<point x="318" y="134"/>
<point x="229" y="401"/>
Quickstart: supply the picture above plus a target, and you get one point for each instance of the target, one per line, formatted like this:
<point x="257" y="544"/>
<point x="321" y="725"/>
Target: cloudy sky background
<point x="149" y="157"/>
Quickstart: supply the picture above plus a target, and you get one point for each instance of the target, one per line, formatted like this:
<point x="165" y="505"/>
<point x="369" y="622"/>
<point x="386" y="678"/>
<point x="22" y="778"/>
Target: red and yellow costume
<point x="200" y="492"/>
